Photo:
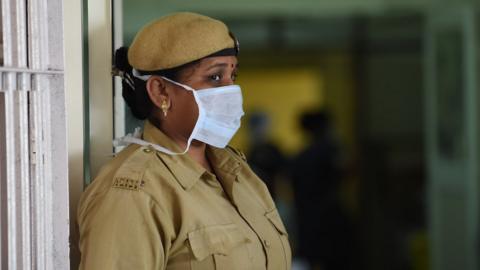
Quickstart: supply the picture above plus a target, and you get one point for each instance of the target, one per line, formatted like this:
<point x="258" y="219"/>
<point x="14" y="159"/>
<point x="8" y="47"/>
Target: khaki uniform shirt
<point x="150" y="210"/>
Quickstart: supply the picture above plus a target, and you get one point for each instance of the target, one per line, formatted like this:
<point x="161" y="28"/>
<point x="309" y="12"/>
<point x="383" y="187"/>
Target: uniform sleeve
<point x="122" y="230"/>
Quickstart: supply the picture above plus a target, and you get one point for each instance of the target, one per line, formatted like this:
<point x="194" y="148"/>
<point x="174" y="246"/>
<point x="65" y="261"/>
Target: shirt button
<point x="267" y="243"/>
<point x="146" y="150"/>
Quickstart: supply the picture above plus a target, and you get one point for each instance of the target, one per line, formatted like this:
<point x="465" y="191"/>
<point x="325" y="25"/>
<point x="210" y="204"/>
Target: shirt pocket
<point x="277" y="223"/>
<point x="219" y="247"/>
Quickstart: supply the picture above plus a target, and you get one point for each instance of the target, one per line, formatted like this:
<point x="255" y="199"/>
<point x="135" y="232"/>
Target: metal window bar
<point x="33" y="152"/>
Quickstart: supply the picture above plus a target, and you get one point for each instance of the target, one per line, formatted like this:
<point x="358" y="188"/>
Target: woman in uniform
<point x="178" y="197"/>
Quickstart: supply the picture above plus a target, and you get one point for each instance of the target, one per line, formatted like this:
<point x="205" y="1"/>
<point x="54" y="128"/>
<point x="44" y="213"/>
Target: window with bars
<point x="33" y="151"/>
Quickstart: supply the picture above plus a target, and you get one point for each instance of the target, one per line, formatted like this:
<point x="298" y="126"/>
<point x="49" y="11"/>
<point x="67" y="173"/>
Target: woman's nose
<point x="228" y="81"/>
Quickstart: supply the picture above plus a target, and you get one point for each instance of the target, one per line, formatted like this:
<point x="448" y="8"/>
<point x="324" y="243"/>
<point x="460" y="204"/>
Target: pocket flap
<point x="216" y="239"/>
<point x="275" y="219"/>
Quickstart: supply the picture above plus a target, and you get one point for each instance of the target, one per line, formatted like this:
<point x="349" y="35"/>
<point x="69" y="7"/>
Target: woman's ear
<point x="157" y="91"/>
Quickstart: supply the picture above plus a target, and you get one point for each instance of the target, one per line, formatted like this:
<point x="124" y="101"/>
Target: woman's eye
<point x="215" y="77"/>
<point x="234" y="77"/>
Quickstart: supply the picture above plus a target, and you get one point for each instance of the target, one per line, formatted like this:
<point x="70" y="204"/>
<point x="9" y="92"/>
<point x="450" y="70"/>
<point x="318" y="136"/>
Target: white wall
<point x="75" y="111"/>
<point x="100" y="83"/>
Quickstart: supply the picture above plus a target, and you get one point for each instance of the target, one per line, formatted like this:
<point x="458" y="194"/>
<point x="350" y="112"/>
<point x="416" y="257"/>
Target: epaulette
<point x="237" y="152"/>
<point x="130" y="173"/>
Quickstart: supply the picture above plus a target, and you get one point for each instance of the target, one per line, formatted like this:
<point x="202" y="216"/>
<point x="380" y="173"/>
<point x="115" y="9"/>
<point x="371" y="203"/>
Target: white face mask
<point x="219" y="112"/>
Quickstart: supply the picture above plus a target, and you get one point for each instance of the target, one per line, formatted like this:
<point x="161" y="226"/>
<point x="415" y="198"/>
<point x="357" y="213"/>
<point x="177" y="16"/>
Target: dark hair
<point x="315" y="122"/>
<point x="134" y="90"/>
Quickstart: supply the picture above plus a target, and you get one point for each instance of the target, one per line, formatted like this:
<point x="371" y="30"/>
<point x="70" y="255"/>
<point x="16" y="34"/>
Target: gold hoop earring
<point x="164" y="108"/>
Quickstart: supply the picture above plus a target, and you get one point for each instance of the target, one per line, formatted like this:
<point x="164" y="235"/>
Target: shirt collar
<point x="183" y="167"/>
<point x="186" y="170"/>
<point x="223" y="161"/>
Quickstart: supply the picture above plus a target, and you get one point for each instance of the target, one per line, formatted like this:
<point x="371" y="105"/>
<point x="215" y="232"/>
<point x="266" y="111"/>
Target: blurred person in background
<point x="324" y="232"/>
<point x="265" y="158"/>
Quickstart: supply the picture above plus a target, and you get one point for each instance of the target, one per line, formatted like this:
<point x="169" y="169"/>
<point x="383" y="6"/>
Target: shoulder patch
<point x="130" y="173"/>
<point x="237" y="152"/>
<point x="127" y="183"/>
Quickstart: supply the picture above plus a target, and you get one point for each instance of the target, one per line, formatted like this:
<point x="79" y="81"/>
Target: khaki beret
<point x="177" y="39"/>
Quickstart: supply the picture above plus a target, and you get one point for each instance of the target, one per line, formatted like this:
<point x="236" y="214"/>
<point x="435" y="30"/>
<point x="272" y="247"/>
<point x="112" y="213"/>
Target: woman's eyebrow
<point x="220" y="65"/>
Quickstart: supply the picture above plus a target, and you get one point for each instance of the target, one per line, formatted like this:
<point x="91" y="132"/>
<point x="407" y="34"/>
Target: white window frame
<point x="33" y="137"/>
<point x="453" y="184"/>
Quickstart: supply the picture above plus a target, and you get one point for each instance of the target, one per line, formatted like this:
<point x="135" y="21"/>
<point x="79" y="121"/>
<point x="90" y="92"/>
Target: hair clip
<point x="124" y="75"/>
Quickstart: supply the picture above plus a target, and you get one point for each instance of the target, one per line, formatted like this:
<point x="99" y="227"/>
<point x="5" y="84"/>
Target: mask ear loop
<point x="137" y="74"/>
<point x="136" y="140"/>
<point x="201" y="112"/>
<point x="130" y="139"/>
<point x="179" y="84"/>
